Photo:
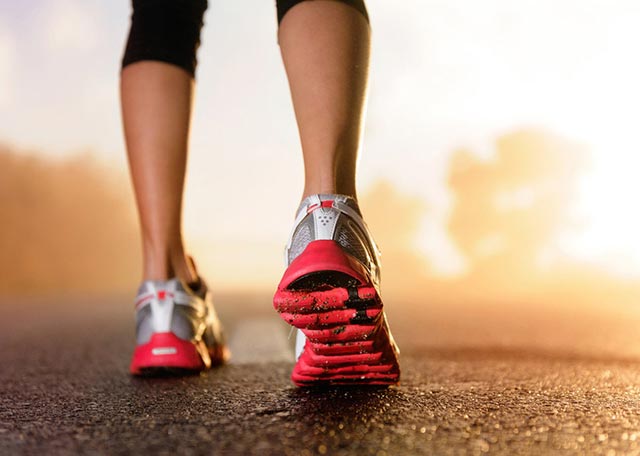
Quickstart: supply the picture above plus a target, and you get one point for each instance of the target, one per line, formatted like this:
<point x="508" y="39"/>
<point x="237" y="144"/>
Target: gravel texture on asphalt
<point x="64" y="389"/>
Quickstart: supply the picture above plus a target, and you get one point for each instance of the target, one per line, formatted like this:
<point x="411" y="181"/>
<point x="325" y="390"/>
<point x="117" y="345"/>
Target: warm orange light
<point x="607" y="206"/>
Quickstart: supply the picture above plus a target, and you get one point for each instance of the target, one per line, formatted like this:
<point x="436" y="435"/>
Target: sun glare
<point x="607" y="211"/>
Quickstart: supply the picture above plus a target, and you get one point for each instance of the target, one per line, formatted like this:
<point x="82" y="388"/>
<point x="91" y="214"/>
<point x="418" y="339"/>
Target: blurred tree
<point x="509" y="208"/>
<point x="394" y="219"/>
<point x="67" y="226"/>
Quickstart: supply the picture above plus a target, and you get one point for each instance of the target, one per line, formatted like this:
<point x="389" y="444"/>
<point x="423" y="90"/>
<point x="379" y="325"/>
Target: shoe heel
<point x="165" y="352"/>
<point x="323" y="256"/>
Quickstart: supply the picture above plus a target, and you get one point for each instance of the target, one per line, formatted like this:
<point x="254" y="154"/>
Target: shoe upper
<point x="337" y="218"/>
<point x="334" y="218"/>
<point x="171" y="306"/>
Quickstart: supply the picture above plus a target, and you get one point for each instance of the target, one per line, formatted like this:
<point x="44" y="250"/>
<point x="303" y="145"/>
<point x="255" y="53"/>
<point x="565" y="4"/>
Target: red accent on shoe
<point x="313" y="207"/>
<point x="143" y="299"/>
<point x="344" y="348"/>
<point x="317" y="301"/>
<point x="342" y="333"/>
<point x="371" y="378"/>
<point x="348" y="341"/>
<point x="353" y="359"/>
<point x="331" y="318"/>
<point x="166" y="350"/>
<point x="372" y="366"/>
<point x="323" y="255"/>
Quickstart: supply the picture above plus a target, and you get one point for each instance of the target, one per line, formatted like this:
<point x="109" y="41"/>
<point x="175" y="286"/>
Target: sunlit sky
<point x="445" y="74"/>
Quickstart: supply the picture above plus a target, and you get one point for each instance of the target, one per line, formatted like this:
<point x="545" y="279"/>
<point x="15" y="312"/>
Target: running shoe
<point x="330" y="292"/>
<point x="177" y="329"/>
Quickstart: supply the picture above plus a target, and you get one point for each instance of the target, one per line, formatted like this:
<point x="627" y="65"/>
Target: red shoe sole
<point x="167" y="353"/>
<point x="348" y="340"/>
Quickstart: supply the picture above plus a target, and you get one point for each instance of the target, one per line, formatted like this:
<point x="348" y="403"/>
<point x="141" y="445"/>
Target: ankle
<point x="346" y="190"/>
<point x="167" y="263"/>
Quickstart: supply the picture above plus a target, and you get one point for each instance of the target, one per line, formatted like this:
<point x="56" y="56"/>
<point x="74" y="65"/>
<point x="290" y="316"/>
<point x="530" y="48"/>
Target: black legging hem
<point x="169" y="30"/>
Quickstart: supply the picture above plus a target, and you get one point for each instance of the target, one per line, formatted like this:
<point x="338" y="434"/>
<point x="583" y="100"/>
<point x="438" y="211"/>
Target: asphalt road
<point x="475" y="381"/>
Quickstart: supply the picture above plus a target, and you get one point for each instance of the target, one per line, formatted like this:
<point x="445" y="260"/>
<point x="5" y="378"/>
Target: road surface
<point x="476" y="380"/>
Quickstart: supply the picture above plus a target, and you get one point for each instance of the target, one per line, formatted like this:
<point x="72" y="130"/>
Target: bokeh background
<point x="499" y="166"/>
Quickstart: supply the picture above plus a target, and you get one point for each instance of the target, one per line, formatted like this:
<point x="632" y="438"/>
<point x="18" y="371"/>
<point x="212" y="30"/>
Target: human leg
<point x="156" y="105"/>
<point x="325" y="50"/>
<point x="156" y="89"/>
<point x="177" y="328"/>
<point x="330" y="290"/>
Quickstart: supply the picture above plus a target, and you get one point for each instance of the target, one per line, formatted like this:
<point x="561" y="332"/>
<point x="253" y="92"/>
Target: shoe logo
<point x="325" y="219"/>
<point x="161" y="295"/>
<point x="313" y="207"/>
<point x="159" y="351"/>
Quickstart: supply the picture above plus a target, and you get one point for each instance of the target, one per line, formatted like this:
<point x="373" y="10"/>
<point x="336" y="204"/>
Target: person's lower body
<point x="176" y="326"/>
<point x="325" y="50"/>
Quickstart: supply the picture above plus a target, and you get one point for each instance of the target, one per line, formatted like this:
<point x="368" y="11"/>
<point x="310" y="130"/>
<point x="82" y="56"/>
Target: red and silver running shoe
<point x="177" y="329"/>
<point x="330" y="292"/>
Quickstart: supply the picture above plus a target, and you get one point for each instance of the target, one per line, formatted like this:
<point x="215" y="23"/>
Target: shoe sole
<point x="167" y="355"/>
<point x="347" y="336"/>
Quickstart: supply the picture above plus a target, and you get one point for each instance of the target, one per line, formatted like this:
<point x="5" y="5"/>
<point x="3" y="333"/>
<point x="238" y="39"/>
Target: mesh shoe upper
<point x="330" y="292"/>
<point x="337" y="218"/>
<point x="169" y="306"/>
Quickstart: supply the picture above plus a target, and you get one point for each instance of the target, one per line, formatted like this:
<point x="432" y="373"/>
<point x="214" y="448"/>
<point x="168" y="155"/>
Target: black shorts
<point x="169" y="30"/>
